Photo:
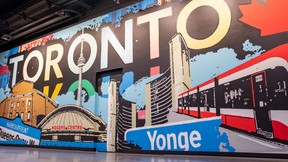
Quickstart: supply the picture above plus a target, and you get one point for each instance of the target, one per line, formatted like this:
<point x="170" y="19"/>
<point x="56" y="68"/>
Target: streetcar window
<point x="180" y="101"/>
<point x="189" y="100"/>
<point x="261" y="103"/>
<point x="185" y="100"/>
<point x="194" y="97"/>
<point x="259" y="78"/>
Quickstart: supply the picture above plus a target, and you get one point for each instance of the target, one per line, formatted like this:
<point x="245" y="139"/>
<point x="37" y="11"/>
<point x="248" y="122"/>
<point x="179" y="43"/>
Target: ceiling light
<point x="6" y="37"/>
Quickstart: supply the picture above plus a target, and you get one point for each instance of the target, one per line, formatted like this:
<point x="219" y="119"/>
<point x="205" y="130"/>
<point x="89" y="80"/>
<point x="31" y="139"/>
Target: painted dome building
<point x="73" y="123"/>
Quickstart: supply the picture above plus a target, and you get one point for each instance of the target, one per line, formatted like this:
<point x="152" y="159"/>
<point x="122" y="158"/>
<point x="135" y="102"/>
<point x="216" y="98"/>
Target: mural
<point x="159" y="75"/>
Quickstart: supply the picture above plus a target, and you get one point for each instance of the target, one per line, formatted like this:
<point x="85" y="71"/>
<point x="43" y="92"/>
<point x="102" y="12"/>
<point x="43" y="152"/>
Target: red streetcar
<point x="251" y="97"/>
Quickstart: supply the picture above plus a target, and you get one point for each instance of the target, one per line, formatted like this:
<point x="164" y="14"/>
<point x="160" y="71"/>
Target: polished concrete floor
<point x="22" y="154"/>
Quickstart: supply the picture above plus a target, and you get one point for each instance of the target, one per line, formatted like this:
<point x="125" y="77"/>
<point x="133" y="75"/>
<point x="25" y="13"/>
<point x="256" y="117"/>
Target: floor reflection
<point x="23" y="154"/>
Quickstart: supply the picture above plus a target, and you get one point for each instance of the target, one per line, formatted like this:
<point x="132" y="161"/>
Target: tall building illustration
<point x="112" y="107"/>
<point x="158" y="100"/>
<point x="81" y="63"/>
<point x="180" y="68"/>
<point x="125" y="121"/>
<point x="162" y="93"/>
<point x="122" y="111"/>
<point x="27" y="103"/>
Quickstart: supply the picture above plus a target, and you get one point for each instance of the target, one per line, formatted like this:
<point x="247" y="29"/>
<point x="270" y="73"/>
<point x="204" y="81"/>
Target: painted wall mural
<point x="159" y="75"/>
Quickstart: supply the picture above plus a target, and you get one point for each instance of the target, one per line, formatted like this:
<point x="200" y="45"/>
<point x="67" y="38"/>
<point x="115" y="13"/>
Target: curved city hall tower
<point x="81" y="63"/>
<point x="180" y="68"/>
<point x="162" y="93"/>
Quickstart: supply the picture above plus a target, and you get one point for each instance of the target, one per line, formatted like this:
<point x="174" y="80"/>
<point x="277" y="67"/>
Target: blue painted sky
<point x="127" y="81"/>
<point x="5" y="55"/>
<point x="96" y="104"/>
<point x="105" y="86"/>
<point x="136" y="92"/>
<point x="209" y="65"/>
<point x="3" y="58"/>
<point x="3" y="62"/>
<point x="4" y="92"/>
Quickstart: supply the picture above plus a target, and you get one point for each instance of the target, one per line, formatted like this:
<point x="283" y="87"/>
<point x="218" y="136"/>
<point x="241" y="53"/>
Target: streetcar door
<point x="261" y="110"/>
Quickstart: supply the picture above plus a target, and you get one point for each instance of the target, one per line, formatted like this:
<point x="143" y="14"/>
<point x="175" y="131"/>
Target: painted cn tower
<point x="81" y="63"/>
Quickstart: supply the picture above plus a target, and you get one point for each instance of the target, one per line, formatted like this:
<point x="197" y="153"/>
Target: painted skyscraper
<point x="158" y="100"/>
<point x="112" y="107"/>
<point x="180" y="68"/>
<point x="162" y="93"/>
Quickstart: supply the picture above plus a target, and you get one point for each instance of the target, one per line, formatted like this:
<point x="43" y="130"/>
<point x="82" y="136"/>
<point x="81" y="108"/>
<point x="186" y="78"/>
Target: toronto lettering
<point x="50" y="56"/>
